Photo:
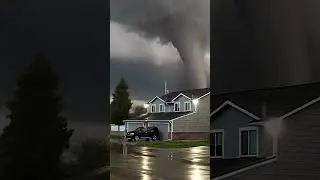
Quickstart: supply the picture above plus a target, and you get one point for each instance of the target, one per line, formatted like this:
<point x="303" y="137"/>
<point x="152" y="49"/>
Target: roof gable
<point x="278" y="101"/>
<point x="192" y="94"/>
<point x="229" y="103"/>
<point x="155" y="99"/>
<point x="181" y="94"/>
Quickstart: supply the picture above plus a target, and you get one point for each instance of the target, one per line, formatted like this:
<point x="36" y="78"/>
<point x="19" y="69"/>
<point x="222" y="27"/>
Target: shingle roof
<point x="192" y="93"/>
<point x="160" y="116"/>
<point x="278" y="100"/>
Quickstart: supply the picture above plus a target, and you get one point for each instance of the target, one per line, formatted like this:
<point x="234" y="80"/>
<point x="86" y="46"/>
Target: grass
<point x="116" y="135"/>
<point x="113" y="136"/>
<point x="174" y="144"/>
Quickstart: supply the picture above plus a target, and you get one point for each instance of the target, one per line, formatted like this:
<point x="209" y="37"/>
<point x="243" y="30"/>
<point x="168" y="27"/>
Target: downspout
<point x="171" y="124"/>
<point x="264" y="118"/>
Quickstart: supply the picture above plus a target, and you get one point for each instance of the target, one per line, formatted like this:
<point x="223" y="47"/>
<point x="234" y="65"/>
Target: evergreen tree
<point x="121" y="104"/>
<point x="32" y="143"/>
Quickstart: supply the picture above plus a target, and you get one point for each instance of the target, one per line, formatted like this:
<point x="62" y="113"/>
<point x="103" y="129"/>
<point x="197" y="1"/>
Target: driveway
<point x="145" y="163"/>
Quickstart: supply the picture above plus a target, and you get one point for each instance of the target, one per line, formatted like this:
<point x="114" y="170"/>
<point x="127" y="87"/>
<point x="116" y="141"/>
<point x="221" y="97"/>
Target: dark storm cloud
<point x="74" y="36"/>
<point x="146" y="80"/>
<point x="184" y="23"/>
<point x="264" y="43"/>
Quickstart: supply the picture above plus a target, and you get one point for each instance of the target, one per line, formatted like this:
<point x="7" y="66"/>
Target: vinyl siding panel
<point x="157" y="102"/>
<point x="230" y="120"/>
<point x="299" y="150"/>
<point x="197" y="122"/>
<point x="182" y="100"/>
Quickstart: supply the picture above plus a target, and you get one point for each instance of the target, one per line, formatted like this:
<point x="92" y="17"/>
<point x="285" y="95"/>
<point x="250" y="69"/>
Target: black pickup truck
<point x="149" y="133"/>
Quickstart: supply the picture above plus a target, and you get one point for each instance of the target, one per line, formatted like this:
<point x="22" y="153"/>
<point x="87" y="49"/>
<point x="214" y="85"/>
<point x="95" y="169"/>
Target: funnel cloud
<point x="183" y="23"/>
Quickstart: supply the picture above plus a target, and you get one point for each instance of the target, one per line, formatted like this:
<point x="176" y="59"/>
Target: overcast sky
<point x="146" y="63"/>
<point x="73" y="36"/>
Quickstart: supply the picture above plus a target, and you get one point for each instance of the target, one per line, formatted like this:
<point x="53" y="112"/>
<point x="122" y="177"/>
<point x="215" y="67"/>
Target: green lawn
<point x="174" y="144"/>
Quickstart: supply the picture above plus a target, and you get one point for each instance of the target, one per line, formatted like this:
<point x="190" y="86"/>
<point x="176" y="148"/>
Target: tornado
<point x="183" y="23"/>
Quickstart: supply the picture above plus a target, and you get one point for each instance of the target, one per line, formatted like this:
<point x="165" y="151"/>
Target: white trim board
<point x="181" y="94"/>
<point x="174" y="107"/>
<point x="236" y="107"/>
<point x="157" y="97"/>
<point x="257" y="141"/>
<point x="203" y="95"/>
<point x="146" y="120"/>
<point x="184" y="107"/>
<point x="219" y="131"/>
<point x="155" y="108"/>
<point x="300" y="108"/>
<point x="183" y="116"/>
<point x="163" y="108"/>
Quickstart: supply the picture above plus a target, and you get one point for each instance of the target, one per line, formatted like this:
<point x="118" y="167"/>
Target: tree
<point x="139" y="110"/>
<point x="32" y="143"/>
<point x="92" y="154"/>
<point x="121" y="104"/>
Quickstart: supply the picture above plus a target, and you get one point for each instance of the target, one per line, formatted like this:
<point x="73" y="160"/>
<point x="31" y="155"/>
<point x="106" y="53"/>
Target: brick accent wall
<point x="190" y="135"/>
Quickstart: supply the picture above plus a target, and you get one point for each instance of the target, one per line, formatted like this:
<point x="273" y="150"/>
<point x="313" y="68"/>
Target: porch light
<point x="146" y="105"/>
<point x="274" y="126"/>
<point x="195" y="102"/>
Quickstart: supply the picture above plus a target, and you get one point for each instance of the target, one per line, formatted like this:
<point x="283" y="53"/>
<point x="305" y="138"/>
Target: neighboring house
<point x="266" y="134"/>
<point x="178" y="115"/>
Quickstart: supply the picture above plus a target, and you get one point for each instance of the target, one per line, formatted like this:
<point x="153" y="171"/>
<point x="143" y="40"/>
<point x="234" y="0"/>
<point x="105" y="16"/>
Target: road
<point x="144" y="163"/>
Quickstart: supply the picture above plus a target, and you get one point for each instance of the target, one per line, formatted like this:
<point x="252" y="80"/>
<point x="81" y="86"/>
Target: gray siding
<point x="156" y="102"/>
<point x="230" y="120"/>
<point x="197" y="122"/>
<point x="265" y="143"/>
<point x="169" y="107"/>
<point x="182" y="100"/>
<point x="299" y="150"/>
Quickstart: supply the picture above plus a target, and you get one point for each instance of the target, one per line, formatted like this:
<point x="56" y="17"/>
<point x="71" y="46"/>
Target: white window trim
<point x="186" y="106"/>
<point x="162" y="108"/>
<point x="174" y="107"/>
<point x="155" y="108"/>
<point x="257" y="143"/>
<point x="219" y="131"/>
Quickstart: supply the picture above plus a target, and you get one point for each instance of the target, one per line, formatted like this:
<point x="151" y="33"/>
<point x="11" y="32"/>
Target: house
<point x="270" y="133"/>
<point x="178" y="115"/>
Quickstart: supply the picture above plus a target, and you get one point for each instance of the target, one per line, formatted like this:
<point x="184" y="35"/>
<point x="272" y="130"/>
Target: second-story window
<point x="177" y="107"/>
<point x="161" y="107"/>
<point x="187" y="106"/>
<point x="153" y="108"/>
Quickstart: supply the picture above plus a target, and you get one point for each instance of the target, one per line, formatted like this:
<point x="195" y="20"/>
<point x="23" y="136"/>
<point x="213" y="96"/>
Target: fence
<point x="115" y="128"/>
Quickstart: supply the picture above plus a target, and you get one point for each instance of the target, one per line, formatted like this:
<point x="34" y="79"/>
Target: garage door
<point x="163" y="128"/>
<point x="133" y="125"/>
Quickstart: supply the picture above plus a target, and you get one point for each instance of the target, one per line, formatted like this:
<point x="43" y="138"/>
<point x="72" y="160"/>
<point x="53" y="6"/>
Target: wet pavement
<point x="145" y="163"/>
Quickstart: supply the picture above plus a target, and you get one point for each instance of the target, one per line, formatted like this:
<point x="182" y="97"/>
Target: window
<point x="216" y="143"/>
<point x="248" y="141"/>
<point x="161" y="107"/>
<point x="153" y="108"/>
<point x="187" y="106"/>
<point x="177" y="106"/>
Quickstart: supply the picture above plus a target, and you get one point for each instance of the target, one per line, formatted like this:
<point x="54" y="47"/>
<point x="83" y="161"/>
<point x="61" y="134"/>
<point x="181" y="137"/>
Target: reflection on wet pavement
<point x="144" y="163"/>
